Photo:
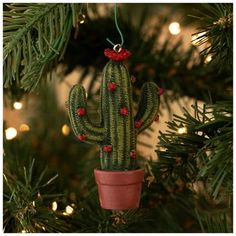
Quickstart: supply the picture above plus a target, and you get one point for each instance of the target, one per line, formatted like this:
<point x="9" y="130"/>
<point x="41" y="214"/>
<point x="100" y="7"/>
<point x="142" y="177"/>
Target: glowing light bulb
<point x="54" y="206"/>
<point x="81" y="18"/>
<point x="182" y="130"/>
<point x="24" y="128"/>
<point x="69" y="210"/>
<point x="10" y="133"/>
<point x="174" y="28"/>
<point x="65" y="130"/>
<point x="162" y="149"/>
<point x="17" y="105"/>
<point x="208" y="59"/>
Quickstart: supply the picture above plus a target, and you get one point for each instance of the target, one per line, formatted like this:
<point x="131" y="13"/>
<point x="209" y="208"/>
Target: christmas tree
<point x="185" y="49"/>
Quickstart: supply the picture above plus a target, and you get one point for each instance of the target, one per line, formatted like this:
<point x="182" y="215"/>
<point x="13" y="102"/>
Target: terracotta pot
<point x="119" y="190"/>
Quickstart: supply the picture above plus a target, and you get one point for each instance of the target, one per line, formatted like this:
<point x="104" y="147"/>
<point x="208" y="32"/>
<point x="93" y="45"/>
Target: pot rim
<point x="119" y="177"/>
<point x="118" y="172"/>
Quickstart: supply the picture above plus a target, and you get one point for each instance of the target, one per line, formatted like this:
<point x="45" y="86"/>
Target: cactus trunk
<point x="118" y="128"/>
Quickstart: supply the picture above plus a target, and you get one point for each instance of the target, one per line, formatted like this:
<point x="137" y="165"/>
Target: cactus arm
<point x="77" y="98"/>
<point x="148" y="105"/>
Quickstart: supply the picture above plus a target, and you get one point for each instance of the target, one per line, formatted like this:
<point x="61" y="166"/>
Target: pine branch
<point x="216" y="221"/>
<point x="34" y="36"/>
<point x="214" y="216"/>
<point x="216" y="31"/>
<point x="90" y="218"/>
<point x="25" y="208"/>
<point x="200" y="148"/>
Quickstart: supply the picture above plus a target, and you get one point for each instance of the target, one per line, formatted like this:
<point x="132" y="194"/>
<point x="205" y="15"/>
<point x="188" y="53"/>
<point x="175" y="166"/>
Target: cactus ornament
<point x="118" y="129"/>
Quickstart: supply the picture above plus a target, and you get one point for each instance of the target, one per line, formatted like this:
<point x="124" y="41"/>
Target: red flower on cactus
<point x="161" y="91"/>
<point x="81" y="111"/>
<point x="157" y="118"/>
<point x="133" y="154"/>
<point x="124" y="111"/>
<point x="81" y="137"/>
<point x="112" y="86"/>
<point x="107" y="148"/>
<point x="138" y="124"/>
<point x="117" y="56"/>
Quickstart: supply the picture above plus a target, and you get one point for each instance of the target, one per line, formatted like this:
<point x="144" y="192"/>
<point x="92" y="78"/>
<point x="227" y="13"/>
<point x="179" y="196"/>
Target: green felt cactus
<point x="118" y="129"/>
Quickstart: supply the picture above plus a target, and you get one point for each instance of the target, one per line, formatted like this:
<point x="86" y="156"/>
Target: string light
<point x="69" y="210"/>
<point x="54" y="206"/>
<point x="162" y="149"/>
<point x="24" y="231"/>
<point x="174" y="28"/>
<point x="17" y="105"/>
<point x="24" y="128"/>
<point x="65" y="130"/>
<point x="208" y="59"/>
<point x="182" y="130"/>
<point x="10" y="133"/>
<point x="81" y="18"/>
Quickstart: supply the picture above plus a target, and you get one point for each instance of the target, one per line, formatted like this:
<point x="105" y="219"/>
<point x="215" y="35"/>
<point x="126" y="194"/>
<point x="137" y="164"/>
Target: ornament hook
<point x="117" y="48"/>
<point x="119" y="31"/>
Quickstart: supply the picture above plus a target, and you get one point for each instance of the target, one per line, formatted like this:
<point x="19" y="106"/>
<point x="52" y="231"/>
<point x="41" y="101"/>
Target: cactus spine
<point x="118" y="129"/>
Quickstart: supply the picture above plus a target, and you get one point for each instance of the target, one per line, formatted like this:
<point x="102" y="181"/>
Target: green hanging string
<point x="118" y="29"/>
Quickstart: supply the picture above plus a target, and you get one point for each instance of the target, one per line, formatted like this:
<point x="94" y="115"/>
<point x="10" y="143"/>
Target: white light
<point x="81" y="18"/>
<point x="24" y="128"/>
<point x="33" y="203"/>
<point x="182" y="130"/>
<point x="174" y="28"/>
<point x="54" y="206"/>
<point x="10" y="133"/>
<point x="43" y="228"/>
<point x="208" y="59"/>
<point x="23" y="231"/>
<point x="69" y="210"/>
<point x="65" y="130"/>
<point x="17" y="105"/>
<point x="162" y="149"/>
